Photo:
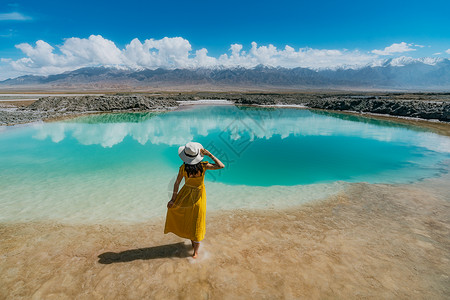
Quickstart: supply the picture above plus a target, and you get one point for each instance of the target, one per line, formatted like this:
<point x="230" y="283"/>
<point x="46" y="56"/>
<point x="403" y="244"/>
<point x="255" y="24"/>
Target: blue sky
<point x="215" y="25"/>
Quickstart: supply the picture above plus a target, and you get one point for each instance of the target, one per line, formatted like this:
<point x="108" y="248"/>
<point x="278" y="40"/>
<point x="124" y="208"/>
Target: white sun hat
<point x="190" y="153"/>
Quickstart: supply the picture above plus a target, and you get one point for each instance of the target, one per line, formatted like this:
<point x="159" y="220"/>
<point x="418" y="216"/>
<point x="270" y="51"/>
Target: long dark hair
<point x="193" y="169"/>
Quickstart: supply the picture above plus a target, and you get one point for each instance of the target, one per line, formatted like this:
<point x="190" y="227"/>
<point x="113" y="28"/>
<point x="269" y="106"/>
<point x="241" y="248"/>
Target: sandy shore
<point x="370" y="241"/>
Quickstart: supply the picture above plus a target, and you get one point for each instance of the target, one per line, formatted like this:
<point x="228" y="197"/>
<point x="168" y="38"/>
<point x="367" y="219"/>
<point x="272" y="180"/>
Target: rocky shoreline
<point x="56" y="107"/>
<point x="424" y="106"/>
<point x="428" y="106"/>
<point x="429" y="110"/>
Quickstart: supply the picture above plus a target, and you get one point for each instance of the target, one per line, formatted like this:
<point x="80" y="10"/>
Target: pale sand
<point x="371" y="241"/>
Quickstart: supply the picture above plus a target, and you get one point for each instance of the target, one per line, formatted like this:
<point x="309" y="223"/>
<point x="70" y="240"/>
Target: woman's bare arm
<point x="217" y="163"/>
<point x="176" y="185"/>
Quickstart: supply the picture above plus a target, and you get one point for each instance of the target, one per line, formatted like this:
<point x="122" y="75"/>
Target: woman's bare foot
<point x="196" y="245"/>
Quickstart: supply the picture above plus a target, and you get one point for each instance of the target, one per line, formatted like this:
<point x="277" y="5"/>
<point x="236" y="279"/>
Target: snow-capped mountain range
<point x="396" y="73"/>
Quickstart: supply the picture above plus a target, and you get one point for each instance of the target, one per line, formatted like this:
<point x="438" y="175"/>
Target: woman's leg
<point x="195" y="245"/>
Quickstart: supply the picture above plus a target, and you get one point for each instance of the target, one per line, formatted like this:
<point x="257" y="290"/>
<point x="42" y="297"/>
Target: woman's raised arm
<point x="217" y="163"/>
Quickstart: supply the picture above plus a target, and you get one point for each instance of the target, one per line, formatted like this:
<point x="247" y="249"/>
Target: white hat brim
<point x="190" y="160"/>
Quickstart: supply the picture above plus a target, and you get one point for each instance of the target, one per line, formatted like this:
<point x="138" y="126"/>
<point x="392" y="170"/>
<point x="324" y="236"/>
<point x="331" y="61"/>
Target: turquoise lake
<point x="121" y="167"/>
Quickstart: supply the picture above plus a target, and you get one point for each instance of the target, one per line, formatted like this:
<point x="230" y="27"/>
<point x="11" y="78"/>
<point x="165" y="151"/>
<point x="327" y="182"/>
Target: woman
<point x="186" y="210"/>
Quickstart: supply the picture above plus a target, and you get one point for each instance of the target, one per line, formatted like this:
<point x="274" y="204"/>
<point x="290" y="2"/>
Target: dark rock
<point x="438" y="110"/>
<point x="101" y="103"/>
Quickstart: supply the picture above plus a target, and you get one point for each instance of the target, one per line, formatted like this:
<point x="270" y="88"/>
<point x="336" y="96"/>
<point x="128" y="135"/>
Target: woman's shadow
<point x="164" y="251"/>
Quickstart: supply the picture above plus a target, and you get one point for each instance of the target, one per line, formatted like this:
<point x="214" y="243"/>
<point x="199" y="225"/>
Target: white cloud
<point x="95" y="49"/>
<point x="75" y="53"/>
<point x="437" y="53"/>
<point x="163" y="53"/>
<point x="447" y="51"/>
<point x="171" y="53"/>
<point x="14" y="16"/>
<point x="395" y="48"/>
<point x="290" y="58"/>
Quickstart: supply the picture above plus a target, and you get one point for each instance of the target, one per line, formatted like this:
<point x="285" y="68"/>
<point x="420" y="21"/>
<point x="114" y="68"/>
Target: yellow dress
<point x="186" y="218"/>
